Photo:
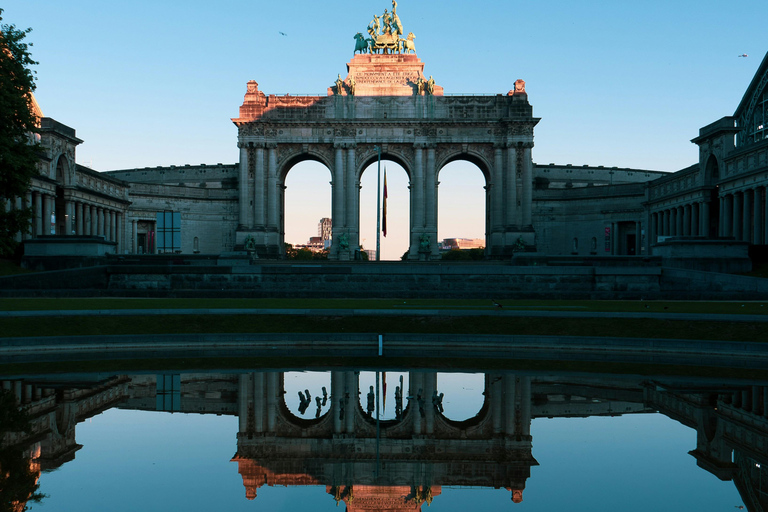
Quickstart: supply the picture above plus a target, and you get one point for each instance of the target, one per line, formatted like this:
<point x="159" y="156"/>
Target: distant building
<point x="325" y="228"/>
<point x="462" y="243"/>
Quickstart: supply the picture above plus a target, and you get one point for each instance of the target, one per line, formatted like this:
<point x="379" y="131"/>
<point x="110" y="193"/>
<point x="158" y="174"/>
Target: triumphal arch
<point x="385" y="104"/>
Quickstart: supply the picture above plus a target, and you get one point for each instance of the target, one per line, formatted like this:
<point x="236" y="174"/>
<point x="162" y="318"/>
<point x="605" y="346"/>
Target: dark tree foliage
<point x="18" y="124"/>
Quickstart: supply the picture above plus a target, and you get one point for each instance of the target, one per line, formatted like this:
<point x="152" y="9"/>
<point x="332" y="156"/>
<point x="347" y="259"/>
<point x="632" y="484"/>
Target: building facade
<point x="550" y="209"/>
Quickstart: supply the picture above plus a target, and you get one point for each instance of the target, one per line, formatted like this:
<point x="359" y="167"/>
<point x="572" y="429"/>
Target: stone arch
<point x="62" y="170"/>
<point x="386" y="154"/>
<point x="711" y="171"/>
<point x="469" y="155"/>
<point x="477" y="159"/>
<point x="284" y="169"/>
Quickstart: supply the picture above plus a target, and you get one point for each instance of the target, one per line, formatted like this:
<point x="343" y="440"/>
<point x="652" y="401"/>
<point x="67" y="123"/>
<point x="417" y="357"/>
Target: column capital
<point x="271" y="145"/>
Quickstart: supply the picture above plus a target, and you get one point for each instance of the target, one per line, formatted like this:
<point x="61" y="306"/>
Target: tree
<point x="18" y="126"/>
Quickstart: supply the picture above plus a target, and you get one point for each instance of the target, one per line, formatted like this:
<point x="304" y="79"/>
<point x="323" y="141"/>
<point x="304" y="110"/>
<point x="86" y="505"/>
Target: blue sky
<point x="616" y="83"/>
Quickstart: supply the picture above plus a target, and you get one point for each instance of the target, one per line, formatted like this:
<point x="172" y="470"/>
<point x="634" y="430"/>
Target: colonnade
<point x="80" y="218"/>
<point x="261" y="205"/>
<point x="691" y="219"/>
<point x="744" y="215"/>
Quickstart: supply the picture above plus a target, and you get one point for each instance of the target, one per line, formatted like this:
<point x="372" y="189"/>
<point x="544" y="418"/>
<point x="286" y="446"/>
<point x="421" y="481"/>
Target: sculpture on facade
<point x="408" y="44"/>
<point x="424" y="243"/>
<point x="385" y="32"/>
<point x="351" y="83"/>
<point x="339" y="84"/>
<point x="431" y="85"/>
<point x="344" y="242"/>
<point x="362" y="44"/>
<point x="420" y="85"/>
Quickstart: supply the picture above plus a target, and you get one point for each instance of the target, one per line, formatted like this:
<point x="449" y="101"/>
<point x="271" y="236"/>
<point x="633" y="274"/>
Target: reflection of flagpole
<point x="378" y="205"/>
<point x="384" y="388"/>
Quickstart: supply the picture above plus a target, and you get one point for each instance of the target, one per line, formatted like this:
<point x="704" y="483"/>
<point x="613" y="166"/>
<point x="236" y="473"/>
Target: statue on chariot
<point x="385" y="33"/>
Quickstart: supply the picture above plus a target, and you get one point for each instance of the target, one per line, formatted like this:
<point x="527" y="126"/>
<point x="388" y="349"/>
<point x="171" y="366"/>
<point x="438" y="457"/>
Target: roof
<point x="758" y="82"/>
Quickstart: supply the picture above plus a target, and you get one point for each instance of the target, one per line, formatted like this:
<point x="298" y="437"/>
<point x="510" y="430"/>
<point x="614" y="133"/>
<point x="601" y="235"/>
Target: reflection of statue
<point x="339" y="84"/>
<point x="431" y="85"/>
<point x="343" y="242"/>
<point x="351" y="83"/>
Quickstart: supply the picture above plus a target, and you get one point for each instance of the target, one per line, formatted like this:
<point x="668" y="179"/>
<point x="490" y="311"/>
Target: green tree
<point x="18" y="126"/>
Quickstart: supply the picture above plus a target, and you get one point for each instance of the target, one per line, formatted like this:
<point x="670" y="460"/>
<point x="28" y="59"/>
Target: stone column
<point x="704" y="219"/>
<point x="94" y="220"/>
<point x="738" y="210"/>
<point x="243" y="185"/>
<point x="726" y="215"/>
<point x="79" y="218"/>
<point x="497" y="194"/>
<point x="430" y="179"/>
<point x="746" y="217"/>
<point x="46" y="220"/>
<point x="679" y="221"/>
<point x="417" y="200"/>
<point x="259" y="188"/>
<point x="510" y="184"/>
<point x="686" y="220"/>
<point x="119" y="231"/>
<point x="134" y="236"/>
<point x="113" y="225"/>
<point x="99" y="221"/>
<point x="638" y="237"/>
<point x="272" y="191"/>
<point x="337" y="198"/>
<point x="673" y="222"/>
<point x="765" y="232"/>
<point x="69" y="213"/>
<point x="695" y="219"/>
<point x="527" y="205"/>
<point x="352" y="202"/>
<point x="757" y="216"/>
<point x="38" y="213"/>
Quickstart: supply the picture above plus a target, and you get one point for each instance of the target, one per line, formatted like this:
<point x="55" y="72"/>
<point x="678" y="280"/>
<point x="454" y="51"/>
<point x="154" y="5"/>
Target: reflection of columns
<point x="273" y="395"/>
<point x="430" y="385"/>
<point x="352" y="395"/>
<point x="493" y="385"/>
<point x="525" y="406"/>
<point x="746" y="216"/>
<point x="757" y="217"/>
<point x="509" y="404"/>
<point x="243" y="397"/>
<point x="259" y="188"/>
<point x="416" y="383"/>
<point x="243" y="184"/>
<point x="765" y="227"/>
<point x="337" y="398"/>
<point x="527" y="185"/>
<point x="259" y="402"/>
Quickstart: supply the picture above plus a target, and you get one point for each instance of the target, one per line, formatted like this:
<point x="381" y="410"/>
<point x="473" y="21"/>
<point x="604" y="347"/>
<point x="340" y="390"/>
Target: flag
<point x="384" y="215"/>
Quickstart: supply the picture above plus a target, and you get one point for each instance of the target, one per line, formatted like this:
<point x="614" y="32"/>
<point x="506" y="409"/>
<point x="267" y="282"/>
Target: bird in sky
<point x="743" y="55"/>
<point x="284" y="34"/>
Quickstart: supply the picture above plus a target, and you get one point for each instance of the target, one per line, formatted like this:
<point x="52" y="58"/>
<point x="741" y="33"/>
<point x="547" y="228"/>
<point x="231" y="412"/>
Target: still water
<point x="285" y="440"/>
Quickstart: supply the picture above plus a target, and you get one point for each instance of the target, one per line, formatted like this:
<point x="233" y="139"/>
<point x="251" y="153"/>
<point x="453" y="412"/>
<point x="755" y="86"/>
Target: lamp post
<point x="378" y="204"/>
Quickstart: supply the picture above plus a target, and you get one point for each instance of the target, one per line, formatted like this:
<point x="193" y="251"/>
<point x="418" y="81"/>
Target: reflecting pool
<point x="384" y="439"/>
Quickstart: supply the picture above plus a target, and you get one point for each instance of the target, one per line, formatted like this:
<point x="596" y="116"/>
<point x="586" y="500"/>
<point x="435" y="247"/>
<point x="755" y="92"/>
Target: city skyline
<point x="615" y="85"/>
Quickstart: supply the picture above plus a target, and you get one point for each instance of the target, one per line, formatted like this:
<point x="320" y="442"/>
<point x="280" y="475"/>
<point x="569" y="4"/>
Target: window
<point x="168" y="232"/>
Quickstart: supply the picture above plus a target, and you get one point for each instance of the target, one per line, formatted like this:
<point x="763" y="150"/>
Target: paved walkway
<point x="391" y="312"/>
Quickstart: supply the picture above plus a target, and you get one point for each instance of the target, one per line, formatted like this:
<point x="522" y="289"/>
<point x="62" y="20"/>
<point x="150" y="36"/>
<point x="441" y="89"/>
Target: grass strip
<point x="181" y="324"/>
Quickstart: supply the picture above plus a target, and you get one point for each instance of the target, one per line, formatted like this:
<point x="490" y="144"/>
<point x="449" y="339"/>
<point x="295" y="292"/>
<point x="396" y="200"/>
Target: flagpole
<point x="378" y="205"/>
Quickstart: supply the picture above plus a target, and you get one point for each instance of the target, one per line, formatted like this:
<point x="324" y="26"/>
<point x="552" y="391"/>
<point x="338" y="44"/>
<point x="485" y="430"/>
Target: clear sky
<point x="623" y="84"/>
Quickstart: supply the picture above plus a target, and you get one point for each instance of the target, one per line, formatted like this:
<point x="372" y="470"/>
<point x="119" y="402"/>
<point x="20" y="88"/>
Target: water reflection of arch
<point x="506" y="410"/>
